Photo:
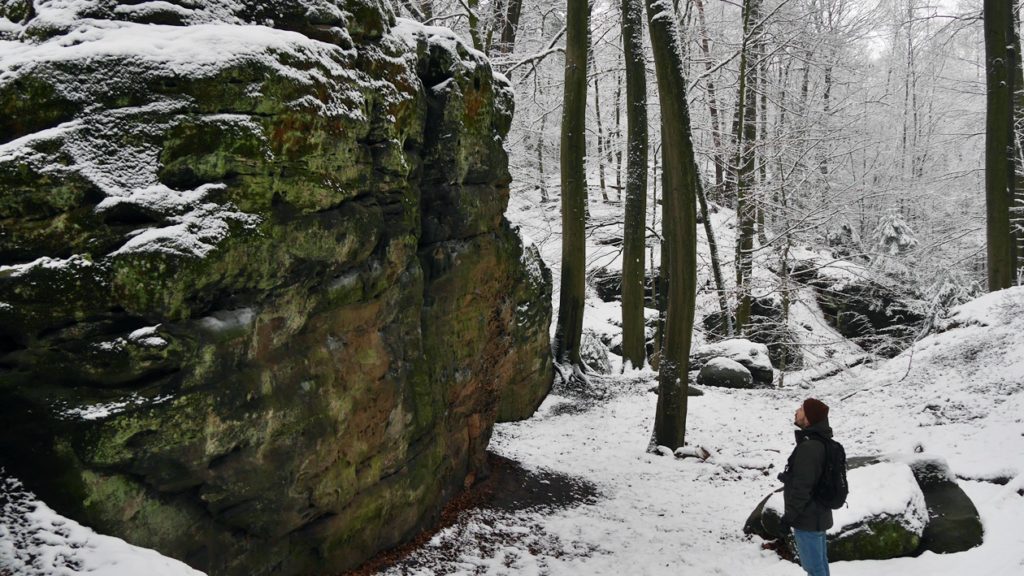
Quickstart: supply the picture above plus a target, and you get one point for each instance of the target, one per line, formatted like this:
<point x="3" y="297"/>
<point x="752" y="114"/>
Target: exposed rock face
<point x="259" y="306"/>
<point x="876" y="311"/>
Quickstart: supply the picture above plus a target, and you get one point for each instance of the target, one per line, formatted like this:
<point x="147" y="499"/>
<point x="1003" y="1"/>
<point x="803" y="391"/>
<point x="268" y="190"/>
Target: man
<point x="808" y="518"/>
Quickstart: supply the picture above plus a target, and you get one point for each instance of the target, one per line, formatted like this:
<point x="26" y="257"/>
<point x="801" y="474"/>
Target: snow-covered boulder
<point x="953" y="525"/>
<point x="754" y="357"/>
<point x="594" y="353"/>
<point x="725" y="373"/>
<point x="898" y="506"/>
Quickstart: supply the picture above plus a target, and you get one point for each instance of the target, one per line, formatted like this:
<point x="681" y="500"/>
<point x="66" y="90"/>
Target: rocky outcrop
<point x="877" y="312"/>
<point x="259" y="306"/>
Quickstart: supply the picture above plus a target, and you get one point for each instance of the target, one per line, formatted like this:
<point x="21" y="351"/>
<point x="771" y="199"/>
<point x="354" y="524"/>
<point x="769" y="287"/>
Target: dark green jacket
<point x="802" y="472"/>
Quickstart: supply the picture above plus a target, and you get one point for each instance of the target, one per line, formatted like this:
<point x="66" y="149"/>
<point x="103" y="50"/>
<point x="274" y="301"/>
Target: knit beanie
<point x="815" y="410"/>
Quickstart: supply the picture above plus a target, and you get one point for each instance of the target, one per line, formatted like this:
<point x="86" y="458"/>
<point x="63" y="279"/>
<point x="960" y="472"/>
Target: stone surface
<point x="725" y="373"/>
<point x="259" y="306"/>
<point x="754" y="357"/>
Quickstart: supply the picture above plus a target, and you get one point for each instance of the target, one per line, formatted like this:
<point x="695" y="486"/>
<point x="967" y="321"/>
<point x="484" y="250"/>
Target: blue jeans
<point x="813" y="552"/>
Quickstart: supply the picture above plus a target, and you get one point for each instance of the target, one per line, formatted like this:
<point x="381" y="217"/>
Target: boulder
<point x="954" y="524"/>
<point x="259" y="305"/>
<point x="754" y="357"/>
<point x="725" y="373"/>
<point x="898" y="506"/>
<point x="594" y="352"/>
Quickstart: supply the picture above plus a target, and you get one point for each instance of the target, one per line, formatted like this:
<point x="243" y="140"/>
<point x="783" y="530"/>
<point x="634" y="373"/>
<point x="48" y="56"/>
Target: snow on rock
<point x="841" y="273"/>
<point x="885" y="489"/>
<point x="724" y="372"/>
<point x="754" y="357"/>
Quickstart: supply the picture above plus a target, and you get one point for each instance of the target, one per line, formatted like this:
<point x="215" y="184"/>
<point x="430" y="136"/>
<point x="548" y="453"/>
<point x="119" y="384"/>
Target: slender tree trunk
<point x="709" y="82"/>
<point x="679" y="224"/>
<point x="1017" y="196"/>
<point x="716" y="262"/>
<point x="999" y="163"/>
<point x="600" y="129"/>
<point x="746" y="211"/>
<point x="569" y="329"/>
<point x="635" y="233"/>
<point x="619" y="137"/>
<point x="541" y="178"/>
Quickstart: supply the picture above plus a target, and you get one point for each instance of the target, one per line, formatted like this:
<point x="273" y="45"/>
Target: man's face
<point x="800" y="419"/>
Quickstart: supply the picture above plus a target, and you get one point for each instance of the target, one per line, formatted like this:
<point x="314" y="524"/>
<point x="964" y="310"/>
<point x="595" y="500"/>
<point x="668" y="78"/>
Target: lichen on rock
<point x="259" y="305"/>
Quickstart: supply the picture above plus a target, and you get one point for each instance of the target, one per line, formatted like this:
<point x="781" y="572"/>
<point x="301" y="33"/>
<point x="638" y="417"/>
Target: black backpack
<point x="832" y="489"/>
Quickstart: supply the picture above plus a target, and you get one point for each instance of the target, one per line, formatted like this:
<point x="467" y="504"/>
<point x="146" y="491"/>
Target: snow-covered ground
<point x="962" y="399"/>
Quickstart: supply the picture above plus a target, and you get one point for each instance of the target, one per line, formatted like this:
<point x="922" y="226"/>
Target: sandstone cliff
<point x="259" y="306"/>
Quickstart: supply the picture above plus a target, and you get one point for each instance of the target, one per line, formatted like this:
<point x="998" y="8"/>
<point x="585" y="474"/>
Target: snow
<point x="739" y="350"/>
<point x="36" y="541"/>
<point x="106" y="409"/>
<point x="44" y="262"/>
<point x="228" y="320"/>
<point x="726" y="365"/>
<point x="841" y="273"/>
<point x="147" y="337"/>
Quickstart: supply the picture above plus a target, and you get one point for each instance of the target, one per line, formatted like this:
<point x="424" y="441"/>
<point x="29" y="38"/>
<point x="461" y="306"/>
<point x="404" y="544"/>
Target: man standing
<point x="808" y="518"/>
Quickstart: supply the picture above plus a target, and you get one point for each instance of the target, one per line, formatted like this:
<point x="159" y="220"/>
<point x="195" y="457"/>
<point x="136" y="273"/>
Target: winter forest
<point x="493" y="287"/>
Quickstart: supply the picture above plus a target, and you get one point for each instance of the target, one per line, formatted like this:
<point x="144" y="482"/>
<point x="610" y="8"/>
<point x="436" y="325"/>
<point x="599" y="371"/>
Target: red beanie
<point x="815" y="410"/>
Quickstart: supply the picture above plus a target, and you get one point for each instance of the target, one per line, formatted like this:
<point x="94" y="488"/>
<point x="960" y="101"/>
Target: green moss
<point x="116" y="501"/>
<point x="877" y="539"/>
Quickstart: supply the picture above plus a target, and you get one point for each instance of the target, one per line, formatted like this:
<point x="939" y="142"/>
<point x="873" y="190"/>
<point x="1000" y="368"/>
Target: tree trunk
<point x="569" y="328"/>
<point x="1017" y="196"/>
<point x="746" y="211"/>
<point x="635" y="233"/>
<point x="679" y="224"/>
<point x="709" y="82"/>
<point x="540" y="160"/>
<point x="600" y="128"/>
<point x="716" y="262"/>
<point x="999" y="164"/>
<point x="471" y="7"/>
<point x="619" y="137"/>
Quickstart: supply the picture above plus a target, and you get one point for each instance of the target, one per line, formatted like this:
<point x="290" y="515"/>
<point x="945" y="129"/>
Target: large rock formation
<point x="259" y="306"/>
